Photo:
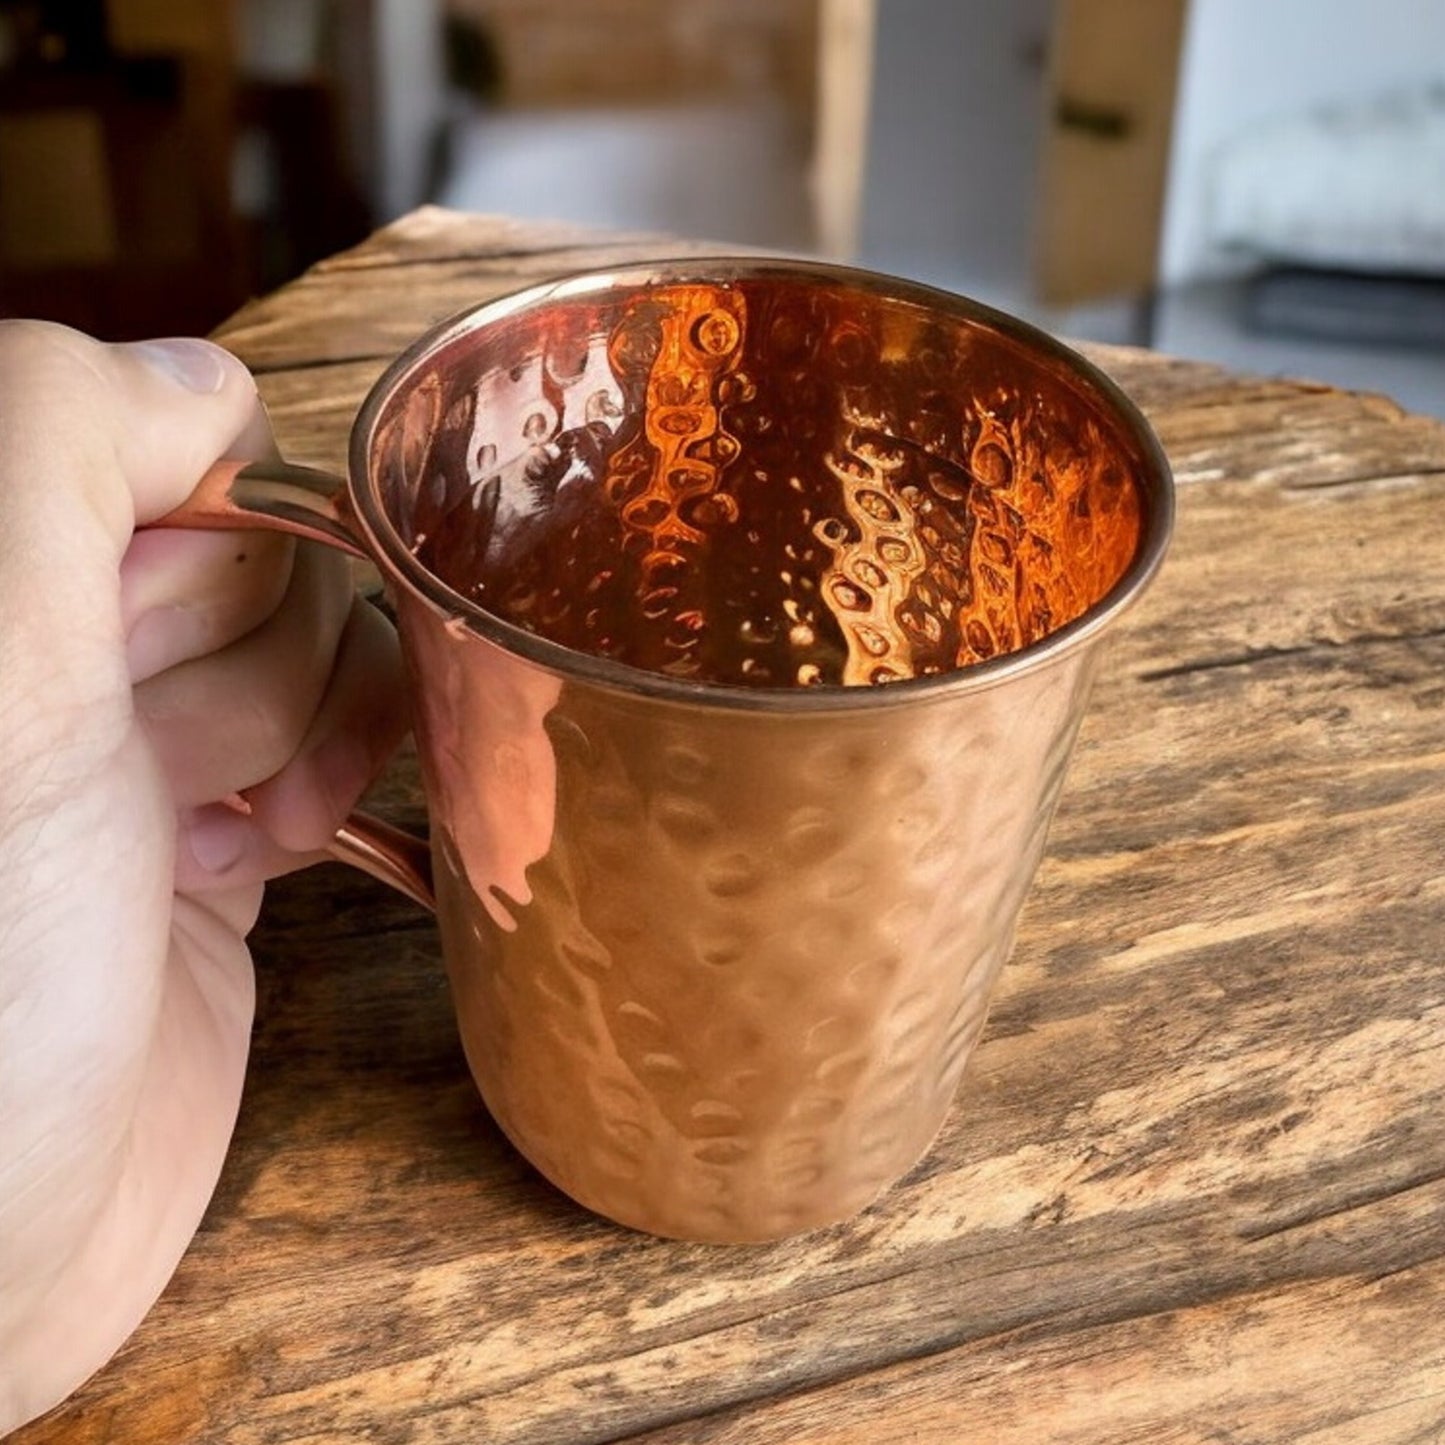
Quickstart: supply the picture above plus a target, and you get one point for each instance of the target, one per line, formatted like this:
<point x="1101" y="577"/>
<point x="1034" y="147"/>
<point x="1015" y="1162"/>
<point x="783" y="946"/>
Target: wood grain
<point x="1194" y="1185"/>
<point x="413" y="280"/>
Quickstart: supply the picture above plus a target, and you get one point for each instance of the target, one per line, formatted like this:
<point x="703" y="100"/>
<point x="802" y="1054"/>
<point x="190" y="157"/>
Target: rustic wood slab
<point x="1193" y="1188"/>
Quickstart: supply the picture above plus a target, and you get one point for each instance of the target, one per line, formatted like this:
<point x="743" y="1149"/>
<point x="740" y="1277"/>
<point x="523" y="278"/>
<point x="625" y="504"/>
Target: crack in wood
<point x="1321" y="646"/>
<point x="1254" y="1234"/>
<point x="1327" y="484"/>
<point x="1185" y="1284"/>
<point x="1035" y="1331"/>
<point x="1435" y="1437"/>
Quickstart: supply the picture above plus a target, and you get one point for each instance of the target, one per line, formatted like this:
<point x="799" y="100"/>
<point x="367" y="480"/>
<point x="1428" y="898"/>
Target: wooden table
<point x="1194" y="1185"/>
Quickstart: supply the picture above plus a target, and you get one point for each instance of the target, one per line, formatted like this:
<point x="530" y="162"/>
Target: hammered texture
<point x="728" y="994"/>
<point x="764" y="483"/>
<point x="719" y="960"/>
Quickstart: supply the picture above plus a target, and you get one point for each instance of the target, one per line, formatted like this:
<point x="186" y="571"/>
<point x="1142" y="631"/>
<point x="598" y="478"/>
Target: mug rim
<point x="386" y="545"/>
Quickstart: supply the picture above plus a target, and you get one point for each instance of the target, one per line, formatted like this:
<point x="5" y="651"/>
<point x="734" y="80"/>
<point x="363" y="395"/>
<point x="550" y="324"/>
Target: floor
<point x="1206" y="321"/>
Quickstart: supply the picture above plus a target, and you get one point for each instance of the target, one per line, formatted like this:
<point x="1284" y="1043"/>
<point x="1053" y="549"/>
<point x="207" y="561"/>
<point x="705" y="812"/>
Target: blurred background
<point x="1261" y="184"/>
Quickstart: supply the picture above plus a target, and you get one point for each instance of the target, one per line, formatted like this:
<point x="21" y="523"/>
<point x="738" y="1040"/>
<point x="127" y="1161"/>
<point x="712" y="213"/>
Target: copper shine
<point x="751" y="609"/>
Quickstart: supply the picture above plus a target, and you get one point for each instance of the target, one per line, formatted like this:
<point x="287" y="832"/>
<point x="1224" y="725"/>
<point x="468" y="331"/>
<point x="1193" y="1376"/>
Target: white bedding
<point x="1360" y="187"/>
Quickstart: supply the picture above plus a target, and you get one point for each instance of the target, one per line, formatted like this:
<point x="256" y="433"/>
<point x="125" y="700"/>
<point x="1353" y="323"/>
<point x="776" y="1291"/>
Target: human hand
<point x="145" y="678"/>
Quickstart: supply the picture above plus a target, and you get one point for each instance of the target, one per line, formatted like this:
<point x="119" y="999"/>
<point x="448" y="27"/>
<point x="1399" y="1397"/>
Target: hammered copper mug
<point x="750" y="609"/>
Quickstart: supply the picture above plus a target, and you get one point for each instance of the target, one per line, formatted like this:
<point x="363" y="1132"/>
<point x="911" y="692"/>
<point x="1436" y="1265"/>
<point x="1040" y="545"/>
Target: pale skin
<point x="146" y="678"/>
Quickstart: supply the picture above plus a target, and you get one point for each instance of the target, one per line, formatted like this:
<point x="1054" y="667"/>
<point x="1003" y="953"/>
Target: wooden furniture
<point x="1112" y="80"/>
<point x="119" y="207"/>
<point x="1193" y="1188"/>
<point x="115" y="176"/>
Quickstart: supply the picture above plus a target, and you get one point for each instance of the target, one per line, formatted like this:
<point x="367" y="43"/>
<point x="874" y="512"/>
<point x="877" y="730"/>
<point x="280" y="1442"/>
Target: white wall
<point x="956" y="119"/>
<point x="730" y="170"/>
<point x="410" y="98"/>
<point x="1247" y="61"/>
<point x="954" y="139"/>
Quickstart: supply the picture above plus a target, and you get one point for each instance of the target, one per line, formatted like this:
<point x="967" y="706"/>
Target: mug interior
<point x="763" y="476"/>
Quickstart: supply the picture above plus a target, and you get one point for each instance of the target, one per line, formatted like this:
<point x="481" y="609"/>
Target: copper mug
<point x="750" y="609"/>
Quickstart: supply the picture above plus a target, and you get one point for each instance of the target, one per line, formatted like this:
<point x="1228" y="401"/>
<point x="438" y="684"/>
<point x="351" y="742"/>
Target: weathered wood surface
<point x="1194" y="1185"/>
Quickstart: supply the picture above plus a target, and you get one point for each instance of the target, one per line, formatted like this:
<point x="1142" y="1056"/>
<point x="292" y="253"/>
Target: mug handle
<point x="275" y="496"/>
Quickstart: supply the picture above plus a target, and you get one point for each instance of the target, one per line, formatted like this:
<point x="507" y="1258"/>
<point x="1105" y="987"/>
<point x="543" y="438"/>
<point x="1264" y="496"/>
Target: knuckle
<point x="42" y="359"/>
<point x="45" y="342"/>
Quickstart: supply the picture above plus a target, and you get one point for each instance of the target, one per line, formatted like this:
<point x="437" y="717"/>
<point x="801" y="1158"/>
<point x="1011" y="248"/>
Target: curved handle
<point x="271" y="496"/>
<point x="389" y="854"/>
<point x="274" y="496"/>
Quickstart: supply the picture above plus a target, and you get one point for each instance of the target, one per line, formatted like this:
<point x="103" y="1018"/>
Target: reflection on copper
<point x="719" y="955"/>
<point x="670" y="499"/>
<point x="875" y="565"/>
<point x="765" y="484"/>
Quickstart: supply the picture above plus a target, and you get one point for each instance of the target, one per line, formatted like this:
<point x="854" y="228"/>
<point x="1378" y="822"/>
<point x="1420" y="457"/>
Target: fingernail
<point x="217" y="838"/>
<point x="256" y="441"/>
<point x="197" y="365"/>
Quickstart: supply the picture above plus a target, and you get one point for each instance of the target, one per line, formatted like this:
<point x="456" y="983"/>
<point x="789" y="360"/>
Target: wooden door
<point x="1113" y="72"/>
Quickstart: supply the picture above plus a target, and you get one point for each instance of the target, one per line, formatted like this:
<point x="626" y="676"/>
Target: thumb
<point x="94" y="439"/>
<point x="190" y="402"/>
<point x="121" y="432"/>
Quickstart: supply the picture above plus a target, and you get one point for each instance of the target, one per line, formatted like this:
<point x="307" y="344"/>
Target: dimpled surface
<point x="734" y="994"/>
<point x="719" y="959"/>
<point x="764" y="483"/>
